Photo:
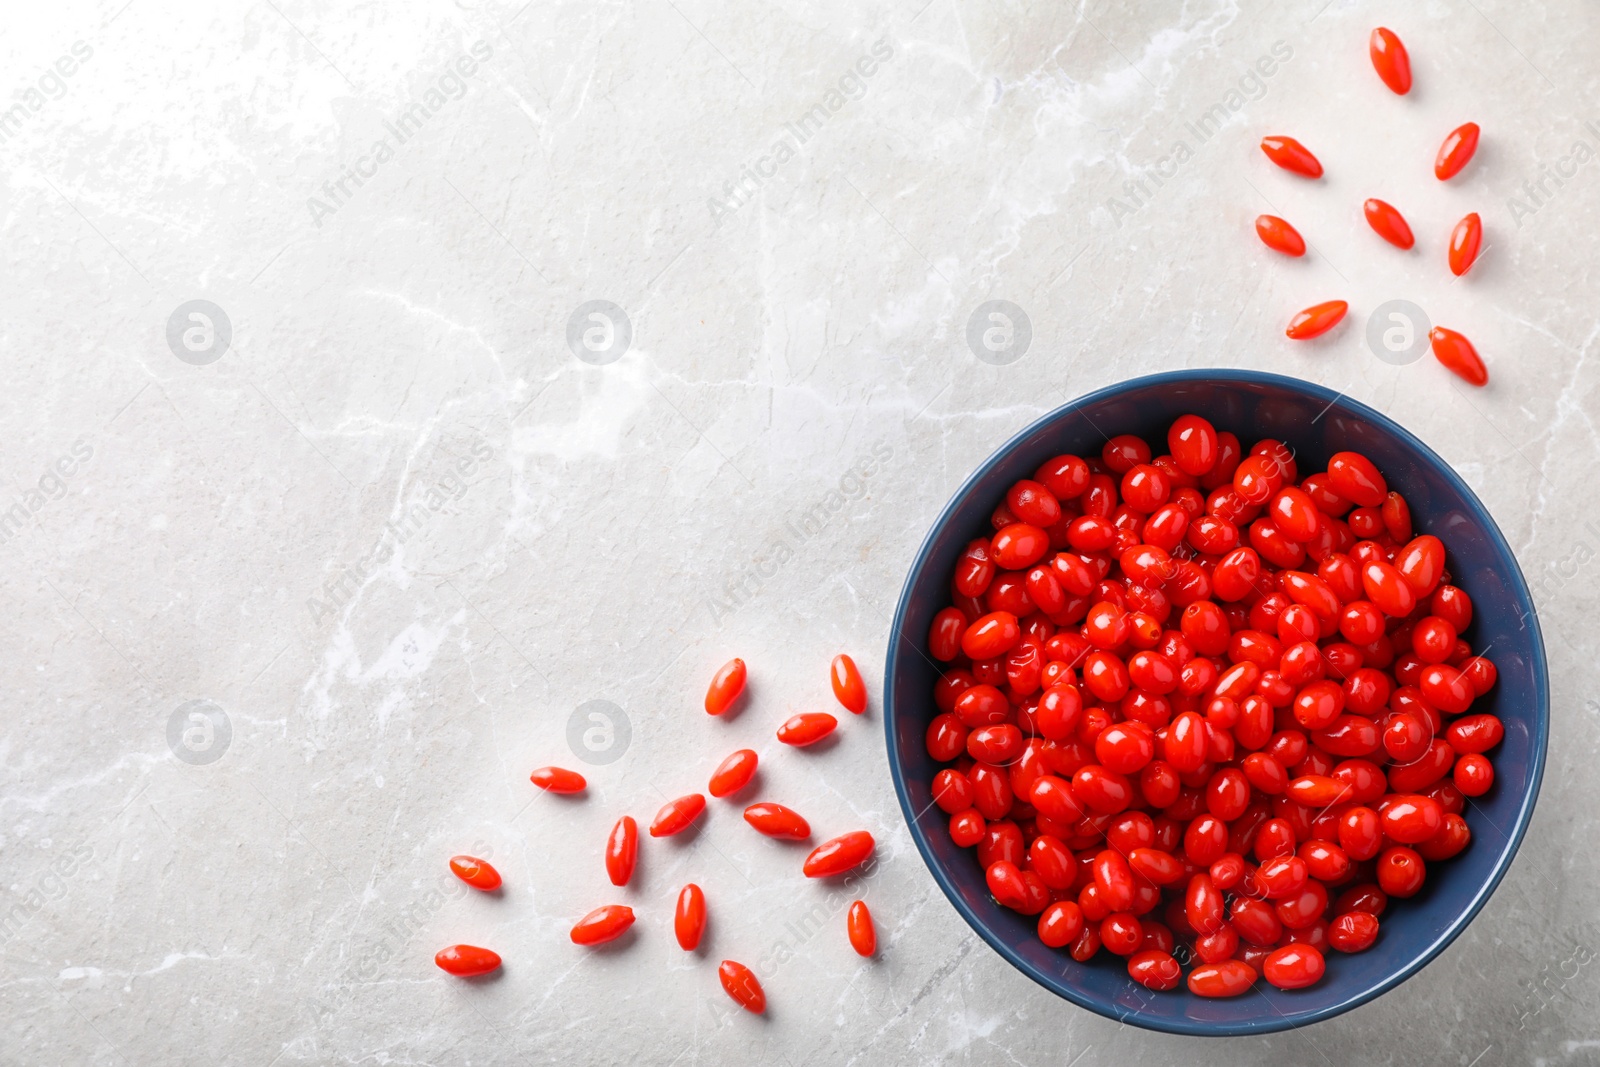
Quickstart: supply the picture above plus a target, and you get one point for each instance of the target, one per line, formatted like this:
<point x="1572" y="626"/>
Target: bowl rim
<point x="1508" y="563"/>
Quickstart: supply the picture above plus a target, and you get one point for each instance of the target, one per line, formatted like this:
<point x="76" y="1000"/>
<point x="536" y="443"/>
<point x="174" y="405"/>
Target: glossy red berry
<point x="1318" y="791"/>
<point x="1019" y="545"/>
<point x="1353" y="931"/>
<point x="974" y="571"/>
<point x="1453" y="605"/>
<point x="1401" y="871"/>
<point x="466" y="961"/>
<point x="733" y="773"/>
<point x="1124" y="452"/>
<point x="1126" y="747"/>
<point x="1390" y="60"/>
<point x="1355" y="478"/>
<point x="1066" y="476"/>
<point x="1456" y="151"/>
<point x="1387" y="222"/>
<point x="1228" y="978"/>
<point x="1475" y="733"/>
<point x="946" y="737"/>
<point x="945" y="633"/>
<point x="1121" y="933"/>
<point x="952" y="791"/>
<point x="740" y="983"/>
<point x="677" y="815"/>
<point x="1411" y="818"/>
<point x="1255" y="920"/>
<point x="1033" y="503"/>
<point x="967" y="827"/>
<point x="1474" y="775"/>
<point x="1458" y="355"/>
<point x="689" y="921"/>
<point x="1279" y="236"/>
<point x="991" y="636"/>
<point x="605" y="923"/>
<point x="863" y="938"/>
<point x="1294" y="966"/>
<point x="848" y="687"/>
<point x="1316" y="320"/>
<point x="839" y="854"/>
<point x="1060" y="924"/>
<point x="995" y="745"/>
<point x="775" y="820"/>
<point x="726" y="685"/>
<point x="1465" y="240"/>
<point x="807" y="728"/>
<point x="558" y="780"/>
<point x="1295" y="515"/>
<point x="1193" y="442"/>
<point x="622" y="850"/>
<point x="1397" y="517"/>
<point x="479" y="874"/>
<point x="1455" y="836"/>
<point x="1291" y="155"/>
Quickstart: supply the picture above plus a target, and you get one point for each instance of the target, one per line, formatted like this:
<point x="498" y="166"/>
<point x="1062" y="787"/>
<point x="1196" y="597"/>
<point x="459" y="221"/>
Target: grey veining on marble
<point x="547" y="356"/>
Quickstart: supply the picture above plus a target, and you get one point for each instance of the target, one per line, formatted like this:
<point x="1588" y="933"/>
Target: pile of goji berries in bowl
<point x="1216" y="702"/>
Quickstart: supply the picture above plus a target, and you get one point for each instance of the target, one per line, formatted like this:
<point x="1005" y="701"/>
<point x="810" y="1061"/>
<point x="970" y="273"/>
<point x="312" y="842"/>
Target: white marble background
<point x="209" y="528"/>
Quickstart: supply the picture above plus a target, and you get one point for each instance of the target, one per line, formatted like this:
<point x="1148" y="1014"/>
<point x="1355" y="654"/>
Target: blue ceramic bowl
<point x="1316" y="423"/>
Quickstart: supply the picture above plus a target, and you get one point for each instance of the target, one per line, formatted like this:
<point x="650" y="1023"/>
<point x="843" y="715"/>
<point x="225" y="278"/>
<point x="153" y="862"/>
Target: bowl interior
<point x="1316" y="423"/>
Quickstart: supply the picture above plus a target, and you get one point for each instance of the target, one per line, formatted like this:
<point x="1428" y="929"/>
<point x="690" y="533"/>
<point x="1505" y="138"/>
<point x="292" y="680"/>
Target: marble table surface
<point x="408" y="395"/>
